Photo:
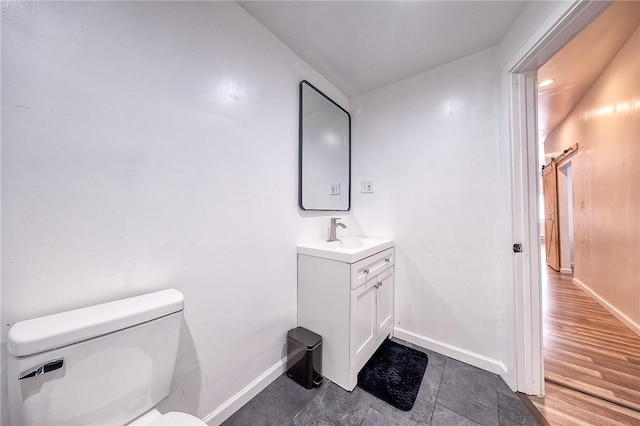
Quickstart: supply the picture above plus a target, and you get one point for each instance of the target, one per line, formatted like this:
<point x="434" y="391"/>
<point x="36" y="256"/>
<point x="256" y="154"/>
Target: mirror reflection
<point x="325" y="152"/>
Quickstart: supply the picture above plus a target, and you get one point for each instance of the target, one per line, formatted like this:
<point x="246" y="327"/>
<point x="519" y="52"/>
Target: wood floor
<point x="562" y="406"/>
<point x="586" y="349"/>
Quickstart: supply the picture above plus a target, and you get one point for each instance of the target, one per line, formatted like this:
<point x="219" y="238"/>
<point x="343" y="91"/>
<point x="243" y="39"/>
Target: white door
<point x="363" y="311"/>
<point x="384" y="302"/>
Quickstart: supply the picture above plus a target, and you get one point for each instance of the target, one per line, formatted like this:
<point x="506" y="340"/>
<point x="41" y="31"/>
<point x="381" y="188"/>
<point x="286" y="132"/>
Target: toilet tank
<point x="101" y="365"/>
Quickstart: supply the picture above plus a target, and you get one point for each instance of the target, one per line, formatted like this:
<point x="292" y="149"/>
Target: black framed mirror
<point x="324" y="152"/>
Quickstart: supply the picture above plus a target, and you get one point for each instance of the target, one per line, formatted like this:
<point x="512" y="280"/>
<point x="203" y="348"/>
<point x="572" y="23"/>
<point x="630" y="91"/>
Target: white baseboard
<point x="460" y="354"/>
<point x="635" y="327"/>
<point x="232" y="405"/>
<point x="566" y="271"/>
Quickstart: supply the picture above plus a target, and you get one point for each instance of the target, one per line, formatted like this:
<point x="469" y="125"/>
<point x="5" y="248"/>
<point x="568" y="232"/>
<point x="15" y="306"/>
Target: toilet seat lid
<point x="176" y="418"/>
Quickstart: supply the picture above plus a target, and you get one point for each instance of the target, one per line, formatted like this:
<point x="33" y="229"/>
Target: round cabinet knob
<point x="388" y="259"/>
<point x="366" y="271"/>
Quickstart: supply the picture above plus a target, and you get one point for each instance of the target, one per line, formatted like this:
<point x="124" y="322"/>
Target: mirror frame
<point x="300" y="144"/>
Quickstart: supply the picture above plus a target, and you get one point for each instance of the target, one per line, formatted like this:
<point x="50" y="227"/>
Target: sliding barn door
<point x="551" y="231"/>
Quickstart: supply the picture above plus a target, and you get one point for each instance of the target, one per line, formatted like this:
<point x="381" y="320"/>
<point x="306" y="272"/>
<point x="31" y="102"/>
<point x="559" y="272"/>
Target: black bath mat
<point x="394" y="374"/>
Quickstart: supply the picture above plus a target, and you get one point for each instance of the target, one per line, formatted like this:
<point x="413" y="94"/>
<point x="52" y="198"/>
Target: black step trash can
<point x="304" y="357"/>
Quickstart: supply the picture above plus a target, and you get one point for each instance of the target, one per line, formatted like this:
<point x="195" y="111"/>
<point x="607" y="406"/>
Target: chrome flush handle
<point x="46" y="367"/>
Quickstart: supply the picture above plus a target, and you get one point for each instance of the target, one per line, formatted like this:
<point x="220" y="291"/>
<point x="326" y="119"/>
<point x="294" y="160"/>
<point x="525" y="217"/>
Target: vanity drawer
<point x="371" y="266"/>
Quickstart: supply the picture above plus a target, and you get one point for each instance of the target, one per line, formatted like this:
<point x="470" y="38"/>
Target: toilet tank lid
<point x="54" y="331"/>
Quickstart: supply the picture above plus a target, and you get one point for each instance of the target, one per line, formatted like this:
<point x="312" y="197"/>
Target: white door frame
<point x="529" y="359"/>
<point x="556" y="32"/>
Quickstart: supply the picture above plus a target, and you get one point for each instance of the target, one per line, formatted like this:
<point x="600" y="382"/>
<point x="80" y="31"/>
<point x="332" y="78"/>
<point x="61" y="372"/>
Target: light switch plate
<point x="366" y="187"/>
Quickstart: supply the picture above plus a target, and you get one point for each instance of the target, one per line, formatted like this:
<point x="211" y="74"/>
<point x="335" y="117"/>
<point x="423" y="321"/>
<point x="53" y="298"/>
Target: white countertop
<point x="349" y="249"/>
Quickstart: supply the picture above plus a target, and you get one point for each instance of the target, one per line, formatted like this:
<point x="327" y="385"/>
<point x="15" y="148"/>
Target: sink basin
<point x="348" y="249"/>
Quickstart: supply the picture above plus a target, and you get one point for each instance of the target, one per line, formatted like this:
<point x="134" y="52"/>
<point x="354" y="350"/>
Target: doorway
<point x="525" y="112"/>
<point x="525" y="174"/>
<point x="565" y="218"/>
<point x="586" y="349"/>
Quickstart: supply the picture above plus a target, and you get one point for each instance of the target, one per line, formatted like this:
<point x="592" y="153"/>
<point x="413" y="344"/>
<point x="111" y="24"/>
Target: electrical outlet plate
<point x="335" y="189"/>
<point x="366" y="187"/>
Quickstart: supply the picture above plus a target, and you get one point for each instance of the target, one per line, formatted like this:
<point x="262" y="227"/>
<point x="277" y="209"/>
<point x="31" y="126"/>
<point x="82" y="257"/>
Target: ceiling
<point x="578" y="64"/>
<point x="363" y="45"/>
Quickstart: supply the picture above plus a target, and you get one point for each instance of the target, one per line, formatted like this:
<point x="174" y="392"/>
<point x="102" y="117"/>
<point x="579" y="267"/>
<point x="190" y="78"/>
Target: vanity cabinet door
<point x="363" y="311"/>
<point x="384" y="303"/>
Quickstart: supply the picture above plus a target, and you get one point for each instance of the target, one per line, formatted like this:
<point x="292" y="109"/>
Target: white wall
<point x="148" y="145"/>
<point x="438" y="147"/>
<point x="153" y="145"/>
<point x="430" y="144"/>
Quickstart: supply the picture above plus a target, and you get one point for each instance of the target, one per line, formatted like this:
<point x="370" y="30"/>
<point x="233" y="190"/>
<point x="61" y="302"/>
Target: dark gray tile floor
<point x="451" y="393"/>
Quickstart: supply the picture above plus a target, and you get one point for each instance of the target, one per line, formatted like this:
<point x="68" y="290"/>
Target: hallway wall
<point x="606" y="183"/>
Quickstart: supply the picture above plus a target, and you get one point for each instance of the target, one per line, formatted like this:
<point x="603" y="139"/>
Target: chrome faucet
<point x="334" y="225"/>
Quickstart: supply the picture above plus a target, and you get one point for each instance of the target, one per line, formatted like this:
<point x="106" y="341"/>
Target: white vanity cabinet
<point x="350" y="305"/>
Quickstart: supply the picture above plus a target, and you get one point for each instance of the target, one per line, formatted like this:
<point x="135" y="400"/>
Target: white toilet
<point x="107" y="364"/>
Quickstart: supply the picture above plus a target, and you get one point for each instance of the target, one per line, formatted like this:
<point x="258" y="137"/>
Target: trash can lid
<point x="304" y="337"/>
